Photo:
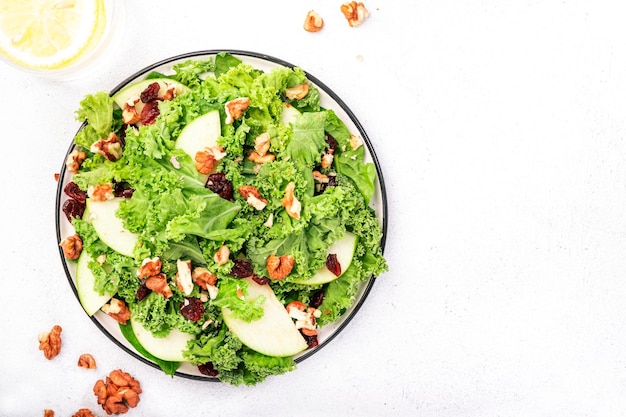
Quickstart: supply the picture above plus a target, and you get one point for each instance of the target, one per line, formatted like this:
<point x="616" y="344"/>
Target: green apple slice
<point x="344" y="249"/>
<point x="289" y="114"/>
<point x="202" y="132"/>
<point x="85" y="281"/>
<point x="168" y="348"/>
<point x="109" y="227"/>
<point x="133" y="91"/>
<point x="275" y="333"/>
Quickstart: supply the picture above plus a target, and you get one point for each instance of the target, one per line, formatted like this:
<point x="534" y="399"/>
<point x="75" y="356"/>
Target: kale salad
<point x="220" y="215"/>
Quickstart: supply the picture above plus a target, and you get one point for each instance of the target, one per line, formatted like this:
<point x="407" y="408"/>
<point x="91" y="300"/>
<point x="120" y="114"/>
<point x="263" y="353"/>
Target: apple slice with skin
<point x="275" y="333"/>
<point x="133" y="91"/>
<point x="344" y="249"/>
<point x="109" y="227"/>
<point x="202" y="132"/>
<point x="289" y="114"/>
<point x="168" y="348"/>
<point x="85" y="281"/>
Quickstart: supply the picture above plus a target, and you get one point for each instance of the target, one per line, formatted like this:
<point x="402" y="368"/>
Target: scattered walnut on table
<point x="84" y="412"/>
<point x="118" y="392"/>
<point x="86" y="361"/>
<point x="50" y="342"/>
<point x="354" y="12"/>
<point x="48" y="413"/>
<point x="313" y="22"/>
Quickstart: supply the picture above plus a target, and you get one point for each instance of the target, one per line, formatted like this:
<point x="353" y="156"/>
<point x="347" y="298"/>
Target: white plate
<point x="329" y="100"/>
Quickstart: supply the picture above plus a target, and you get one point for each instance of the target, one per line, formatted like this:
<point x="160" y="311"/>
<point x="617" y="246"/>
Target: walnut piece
<point x="313" y="22"/>
<point x="203" y="278"/>
<point x="278" y="267"/>
<point x="118" y="392"/>
<point x="158" y="284"/>
<point x="118" y="310"/>
<point x="150" y="267"/>
<point x="184" y="280"/>
<point x="74" y="160"/>
<point x="320" y="178"/>
<point x="355" y="142"/>
<point x="222" y="255"/>
<point x="129" y="114"/>
<point x="290" y="202"/>
<point x="50" y="342"/>
<point x="235" y="108"/>
<point x="86" y="361"/>
<point x="327" y="160"/>
<point x="72" y="247"/>
<point x="48" y="413"/>
<point x="101" y="192"/>
<point x="261" y="159"/>
<point x="110" y="148"/>
<point x="297" y="92"/>
<point x="252" y="196"/>
<point x="354" y="12"/>
<point x="262" y="143"/>
<point x="84" y="412"/>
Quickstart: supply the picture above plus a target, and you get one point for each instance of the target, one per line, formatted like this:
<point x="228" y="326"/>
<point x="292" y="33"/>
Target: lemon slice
<point x="50" y="34"/>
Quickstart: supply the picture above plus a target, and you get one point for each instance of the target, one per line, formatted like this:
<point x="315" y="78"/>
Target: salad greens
<point x="177" y="215"/>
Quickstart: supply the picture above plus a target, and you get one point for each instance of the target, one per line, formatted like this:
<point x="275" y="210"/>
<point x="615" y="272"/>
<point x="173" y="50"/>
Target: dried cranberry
<point x="331" y="142"/>
<point x="123" y="189"/>
<point x="260" y="280"/>
<point x="150" y="112"/>
<point x="220" y="185"/>
<point x="208" y="369"/>
<point x="311" y="341"/>
<point x="73" y="208"/>
<point x="192" y="309"/>
<point x="333" y="264"/>
<point x="242" y="269"/>
<point x="121" y="135"/>
<point x="143" y="291"/>
<point x="73" y="191"/>
<point x="317" y="299"/>
<point x="150" y="93"/>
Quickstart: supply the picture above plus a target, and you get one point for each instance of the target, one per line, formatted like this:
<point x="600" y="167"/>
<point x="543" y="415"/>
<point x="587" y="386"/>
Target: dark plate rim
<point x="317" y="82"/>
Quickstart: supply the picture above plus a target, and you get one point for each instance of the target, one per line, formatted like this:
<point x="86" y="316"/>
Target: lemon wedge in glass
<point x="50" y="34"/>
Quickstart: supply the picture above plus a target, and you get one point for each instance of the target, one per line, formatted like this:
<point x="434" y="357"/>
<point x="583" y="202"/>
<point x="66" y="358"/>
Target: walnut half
<point x="86" y="361"/>
<point x="313" y="22"/>
<point x="50" y="342"/>
<point x="354" y="12"/>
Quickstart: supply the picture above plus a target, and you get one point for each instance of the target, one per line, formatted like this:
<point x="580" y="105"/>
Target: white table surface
<point x="500" y="129"/>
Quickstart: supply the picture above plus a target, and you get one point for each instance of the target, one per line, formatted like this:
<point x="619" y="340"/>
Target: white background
<point x="500" y="129"/>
